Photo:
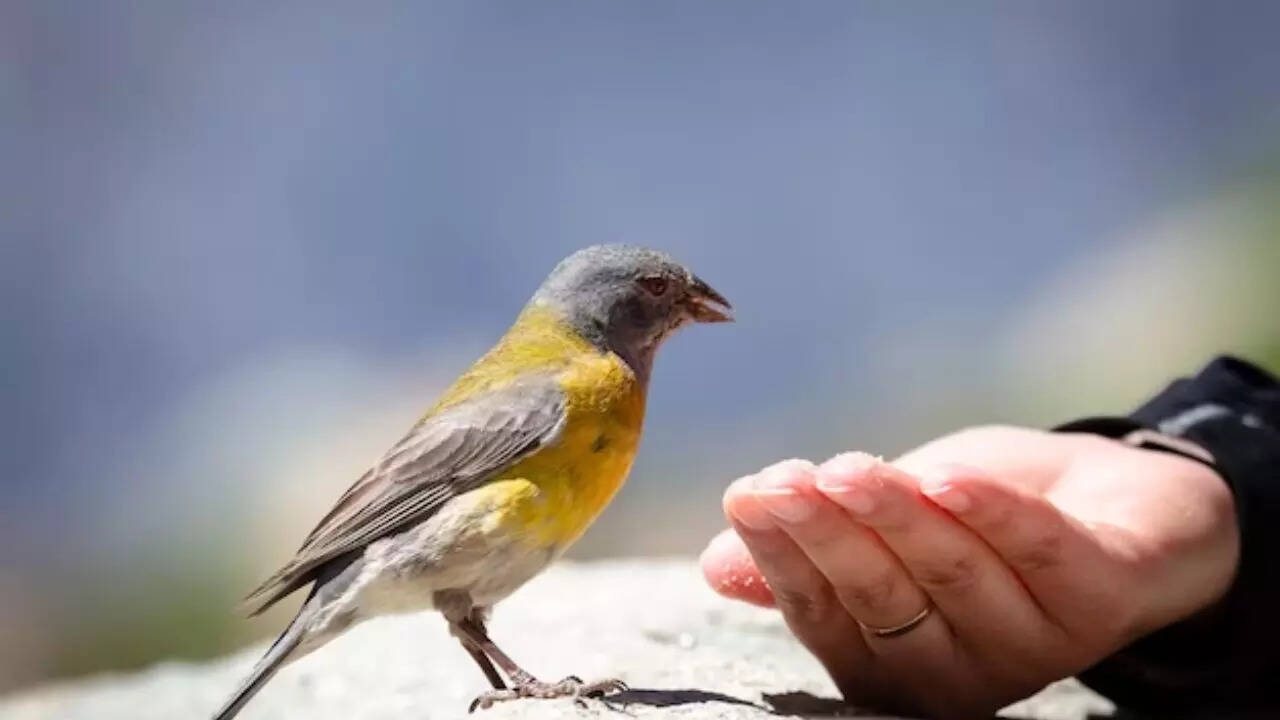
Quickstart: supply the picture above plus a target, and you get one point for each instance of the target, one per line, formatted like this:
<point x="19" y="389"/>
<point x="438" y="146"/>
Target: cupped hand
<point x="1039" y="553"/>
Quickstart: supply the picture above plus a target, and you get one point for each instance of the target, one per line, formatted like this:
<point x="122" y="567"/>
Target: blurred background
<point x="244" y="244"/>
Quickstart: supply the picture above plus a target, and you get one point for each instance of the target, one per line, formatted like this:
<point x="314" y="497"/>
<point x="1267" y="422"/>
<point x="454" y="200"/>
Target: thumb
<point x="730" y="570"/>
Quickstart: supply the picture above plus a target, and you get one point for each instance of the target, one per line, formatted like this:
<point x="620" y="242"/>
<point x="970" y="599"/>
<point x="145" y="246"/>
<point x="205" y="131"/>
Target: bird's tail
<point x="331" y="581"/>
<point x="262" y="672"/>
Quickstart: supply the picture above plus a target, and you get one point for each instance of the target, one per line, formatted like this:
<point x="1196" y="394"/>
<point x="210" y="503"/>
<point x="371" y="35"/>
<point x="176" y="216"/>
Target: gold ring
<point x="896" y="630"/>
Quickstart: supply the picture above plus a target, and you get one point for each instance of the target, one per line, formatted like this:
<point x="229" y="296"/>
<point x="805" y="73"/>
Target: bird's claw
<point x="600" y="688"/>
<point x="572" y="687"/>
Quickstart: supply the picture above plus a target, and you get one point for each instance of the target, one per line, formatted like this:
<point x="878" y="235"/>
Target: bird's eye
<point x="656" y="285"/>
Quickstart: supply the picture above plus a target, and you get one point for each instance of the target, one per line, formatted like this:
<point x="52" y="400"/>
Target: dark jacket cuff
<point x="1226" y="656"/>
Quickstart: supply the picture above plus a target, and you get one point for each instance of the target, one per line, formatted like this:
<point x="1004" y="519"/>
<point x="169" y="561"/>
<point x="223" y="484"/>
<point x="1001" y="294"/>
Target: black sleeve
<point x="1227" y="656"/>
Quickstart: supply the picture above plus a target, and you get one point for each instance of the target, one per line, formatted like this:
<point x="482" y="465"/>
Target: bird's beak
<point x="704" y="304"/>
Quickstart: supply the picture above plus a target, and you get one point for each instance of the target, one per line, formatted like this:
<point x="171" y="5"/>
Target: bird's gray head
<point x="629" y="299"/>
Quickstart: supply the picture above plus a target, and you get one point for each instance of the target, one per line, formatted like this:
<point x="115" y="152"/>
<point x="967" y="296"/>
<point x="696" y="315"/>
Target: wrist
<point x="1219" y="657"/>
<point x="1195" y="538"/>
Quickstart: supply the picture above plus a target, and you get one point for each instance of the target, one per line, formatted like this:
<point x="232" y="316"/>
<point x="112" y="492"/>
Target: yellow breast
<point x="551" y="497"/>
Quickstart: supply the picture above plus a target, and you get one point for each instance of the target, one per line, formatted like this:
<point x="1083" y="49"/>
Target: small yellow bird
<point x="505" y="472"/>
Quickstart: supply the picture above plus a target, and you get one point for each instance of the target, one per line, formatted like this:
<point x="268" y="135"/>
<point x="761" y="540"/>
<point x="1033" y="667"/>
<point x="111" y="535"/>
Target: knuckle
<point x="955" y="576"/>
<point x="1041" y="553"/>
<point x="873" y="596"/>
<point x="799" y="606"/>
<point x="999" y="519"/>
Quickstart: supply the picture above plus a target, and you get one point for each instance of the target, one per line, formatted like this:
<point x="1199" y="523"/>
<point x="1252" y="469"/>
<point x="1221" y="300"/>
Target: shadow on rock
<point x="802" y="703"/>
<point x="669" y="698"/>
<point x="792" y="703"/>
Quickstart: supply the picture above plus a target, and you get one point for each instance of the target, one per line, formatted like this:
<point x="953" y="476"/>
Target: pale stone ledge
<point x="685" y="652"/>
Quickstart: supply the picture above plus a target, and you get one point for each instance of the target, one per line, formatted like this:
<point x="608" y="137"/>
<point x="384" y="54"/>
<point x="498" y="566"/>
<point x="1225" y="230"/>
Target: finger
<point x="867" y="579"/>
<point x="1058" y="559"/>
<point x="865" y="575"/>
<point x="730" y="570"/>
<point x="800" y="592"/>
<point x="982" y="599"/>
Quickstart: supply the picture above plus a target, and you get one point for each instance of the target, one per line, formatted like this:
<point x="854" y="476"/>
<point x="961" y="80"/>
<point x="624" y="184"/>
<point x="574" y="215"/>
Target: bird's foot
<point x="571" y="686"/>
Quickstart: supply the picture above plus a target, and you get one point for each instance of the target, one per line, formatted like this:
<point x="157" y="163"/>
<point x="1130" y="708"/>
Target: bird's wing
<point x="443" y="456"/>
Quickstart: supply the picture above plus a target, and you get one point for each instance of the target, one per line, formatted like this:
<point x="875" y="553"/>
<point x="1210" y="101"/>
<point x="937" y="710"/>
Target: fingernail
<point x="774" y="489"/>
<point x="746" y="509"/>
<point x="784" y="502"/>
<point x="853" y="499"/>
<point x="946" y="495"/>
<point x="836" y="480"/>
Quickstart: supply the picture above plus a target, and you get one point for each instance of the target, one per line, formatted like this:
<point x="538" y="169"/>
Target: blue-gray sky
<point x="192" y="187"/>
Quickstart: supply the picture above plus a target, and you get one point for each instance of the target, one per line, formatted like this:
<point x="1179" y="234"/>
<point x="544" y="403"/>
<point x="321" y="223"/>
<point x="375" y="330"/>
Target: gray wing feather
<point x="443" y="456"/>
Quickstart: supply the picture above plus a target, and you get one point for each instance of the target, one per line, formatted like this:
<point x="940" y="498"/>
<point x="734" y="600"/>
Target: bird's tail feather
<point x="262" y="672"/>
<point x="331" y="581"/>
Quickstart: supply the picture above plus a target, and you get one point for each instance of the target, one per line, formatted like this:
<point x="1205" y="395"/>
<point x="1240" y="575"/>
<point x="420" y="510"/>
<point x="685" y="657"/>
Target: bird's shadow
<point x="669" y="698"/>
<point x="811" y="706"/>
<point x="791" y="703"/>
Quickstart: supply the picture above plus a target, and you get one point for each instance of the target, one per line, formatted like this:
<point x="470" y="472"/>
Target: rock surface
<point x="685" y="652"/>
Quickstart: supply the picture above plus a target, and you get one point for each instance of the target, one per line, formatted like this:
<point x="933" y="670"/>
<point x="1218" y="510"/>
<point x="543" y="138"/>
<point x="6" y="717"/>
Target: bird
<point x="504" y="472"/>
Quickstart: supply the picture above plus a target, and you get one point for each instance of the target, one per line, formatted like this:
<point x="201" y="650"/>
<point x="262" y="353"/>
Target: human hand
<point x="1042" y="553"/>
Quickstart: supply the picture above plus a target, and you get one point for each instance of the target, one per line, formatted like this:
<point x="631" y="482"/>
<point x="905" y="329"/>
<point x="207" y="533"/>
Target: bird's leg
<point x="475" y="634"/>
<point x="486" y="667"/>
<point x="476" y="617"/>
<point x="523" y="683"/>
